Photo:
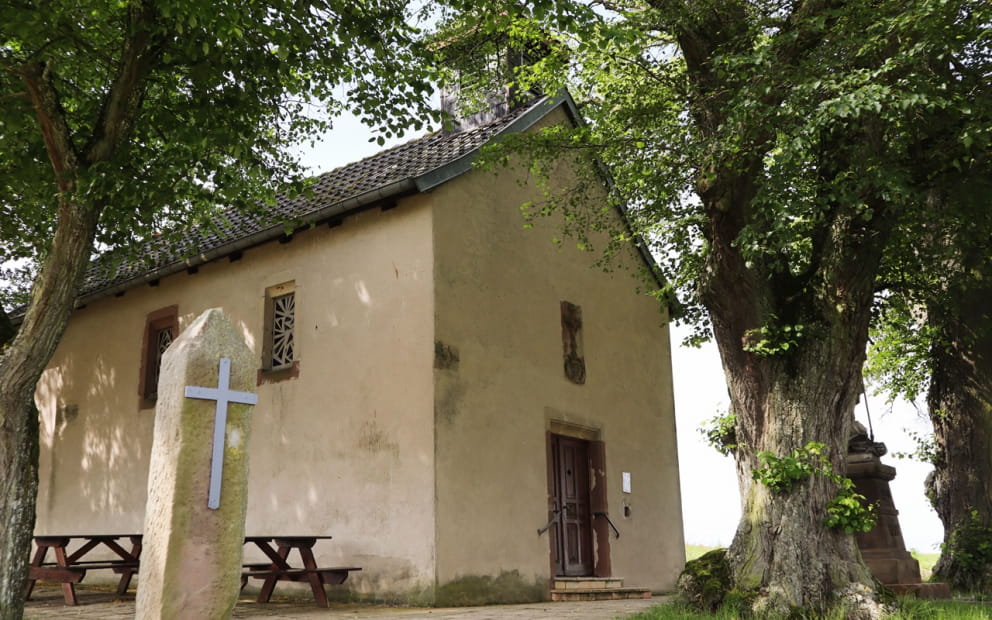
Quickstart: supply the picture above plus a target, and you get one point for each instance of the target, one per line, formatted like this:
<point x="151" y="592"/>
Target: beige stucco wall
<point x="499" y="289"/>
<point x="345" y="449"/>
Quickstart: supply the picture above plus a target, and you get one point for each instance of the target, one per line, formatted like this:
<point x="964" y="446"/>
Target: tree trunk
<point x="787" y="388"/>
<point x="52" y="300"/>
<point x="782" y="548"/>
<point x="55" y="288"/>
<point x="7" y="330"/>
<point x="802" y="390"/>
<point x="960" y="403"/>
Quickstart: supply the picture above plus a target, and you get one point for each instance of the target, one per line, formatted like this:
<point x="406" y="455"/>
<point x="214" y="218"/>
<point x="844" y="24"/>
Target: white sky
<point x="710" y="500"/>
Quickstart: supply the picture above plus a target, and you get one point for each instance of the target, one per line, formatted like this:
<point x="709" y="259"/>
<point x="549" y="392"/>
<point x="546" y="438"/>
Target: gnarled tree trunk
<point x="782" y="547"/>
<point x="789" y="397"/>
<point x="960" y="404"/>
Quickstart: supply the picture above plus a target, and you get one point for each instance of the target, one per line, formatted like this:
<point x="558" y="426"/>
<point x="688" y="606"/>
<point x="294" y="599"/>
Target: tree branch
<point x="704" y="31"/>
<point x="36" y="76"/>
<point x="120" y="107"/>
<point x="800" y="33"/>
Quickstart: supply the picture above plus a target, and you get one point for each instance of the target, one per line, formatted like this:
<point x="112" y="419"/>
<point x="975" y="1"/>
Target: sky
<point x="710" y="498"/>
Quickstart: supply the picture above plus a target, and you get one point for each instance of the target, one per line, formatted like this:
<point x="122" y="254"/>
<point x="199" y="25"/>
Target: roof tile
<point x="410" y="160"/>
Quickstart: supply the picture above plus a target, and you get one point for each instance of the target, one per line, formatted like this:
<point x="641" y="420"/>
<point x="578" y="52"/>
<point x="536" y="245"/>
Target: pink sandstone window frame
<point x="163" y="320"/>
<point x="280" y="354"/>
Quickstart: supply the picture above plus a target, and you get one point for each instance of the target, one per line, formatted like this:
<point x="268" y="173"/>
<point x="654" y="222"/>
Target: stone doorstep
<point x="586" y="583"/>
<point x="929" y="591"/>
<point x="600" y="594"/>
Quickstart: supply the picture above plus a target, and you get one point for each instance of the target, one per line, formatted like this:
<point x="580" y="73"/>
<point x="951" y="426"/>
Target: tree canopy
<point x="783" y="159"/>
<point x="166" y="110"/>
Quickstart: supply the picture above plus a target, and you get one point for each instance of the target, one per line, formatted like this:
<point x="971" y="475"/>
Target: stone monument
<point x="198" y="476"/>
<point x="883" y="548"/>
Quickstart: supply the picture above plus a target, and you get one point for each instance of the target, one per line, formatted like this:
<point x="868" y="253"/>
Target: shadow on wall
<point x="94" y="458"/>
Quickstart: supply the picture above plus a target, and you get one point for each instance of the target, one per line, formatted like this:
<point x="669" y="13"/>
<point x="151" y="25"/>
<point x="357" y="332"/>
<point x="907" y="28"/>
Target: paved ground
<point x="96" y="604"/>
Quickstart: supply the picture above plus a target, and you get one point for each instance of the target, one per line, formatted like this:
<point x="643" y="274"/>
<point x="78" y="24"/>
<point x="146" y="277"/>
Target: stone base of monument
<point x="892" y="565"/>
<point x="929" y="591"/>
<point x="883" y="548"/>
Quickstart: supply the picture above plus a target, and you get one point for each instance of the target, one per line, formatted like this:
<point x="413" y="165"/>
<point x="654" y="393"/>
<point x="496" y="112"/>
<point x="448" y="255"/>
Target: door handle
<point x="547" y="526"/>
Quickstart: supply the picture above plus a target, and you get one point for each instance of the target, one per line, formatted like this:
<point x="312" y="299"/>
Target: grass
<point x="926" y="560"/>
<point x="909" y="609"/>
<point x="694" y="551"/>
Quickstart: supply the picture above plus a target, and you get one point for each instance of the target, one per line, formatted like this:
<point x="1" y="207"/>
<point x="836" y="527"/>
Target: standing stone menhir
<point x="198" y="477"/>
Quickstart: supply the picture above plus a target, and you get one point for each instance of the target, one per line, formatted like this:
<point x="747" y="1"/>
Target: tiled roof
<point x="379" y="173"/>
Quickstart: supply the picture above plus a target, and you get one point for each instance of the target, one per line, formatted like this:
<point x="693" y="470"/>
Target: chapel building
<point x="470" y="409"/>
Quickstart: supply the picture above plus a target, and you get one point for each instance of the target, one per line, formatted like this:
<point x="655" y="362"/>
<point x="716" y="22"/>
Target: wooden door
<point x="571" y="536"/>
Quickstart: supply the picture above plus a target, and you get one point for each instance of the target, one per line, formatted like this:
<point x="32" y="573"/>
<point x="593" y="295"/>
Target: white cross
<point x="223" y="395"/>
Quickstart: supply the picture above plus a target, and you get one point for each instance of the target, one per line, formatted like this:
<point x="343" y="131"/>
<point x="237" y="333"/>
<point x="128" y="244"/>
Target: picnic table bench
<point x="279" y="569"/>
<point x="69" y="568"/>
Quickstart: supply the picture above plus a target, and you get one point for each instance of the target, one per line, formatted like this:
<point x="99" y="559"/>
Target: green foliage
<point x="720" y="433"/>
<point x="782" y="473"/>
<point x="705" y="581"/>
<point x="773" y="339"/>
<point x="213" y="97"/>
<point x="926" y="450"/>
<point x="970" y="547"/>
<point x="873" y="121"/>
<point x="899" y="355"/>
<point x="847" y="511"/>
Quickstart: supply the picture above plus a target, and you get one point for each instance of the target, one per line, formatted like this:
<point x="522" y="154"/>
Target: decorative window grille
<point x="283" y="319"/>
<point x="163" y="338"/>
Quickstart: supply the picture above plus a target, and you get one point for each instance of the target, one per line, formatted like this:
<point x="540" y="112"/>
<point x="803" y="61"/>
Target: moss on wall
<point x="507" y="587"/>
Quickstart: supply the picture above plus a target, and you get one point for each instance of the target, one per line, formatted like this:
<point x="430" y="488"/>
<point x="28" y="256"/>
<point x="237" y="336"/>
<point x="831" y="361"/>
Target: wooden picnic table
<point x="279" y="568"/>
<point x="70" y="567"/>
